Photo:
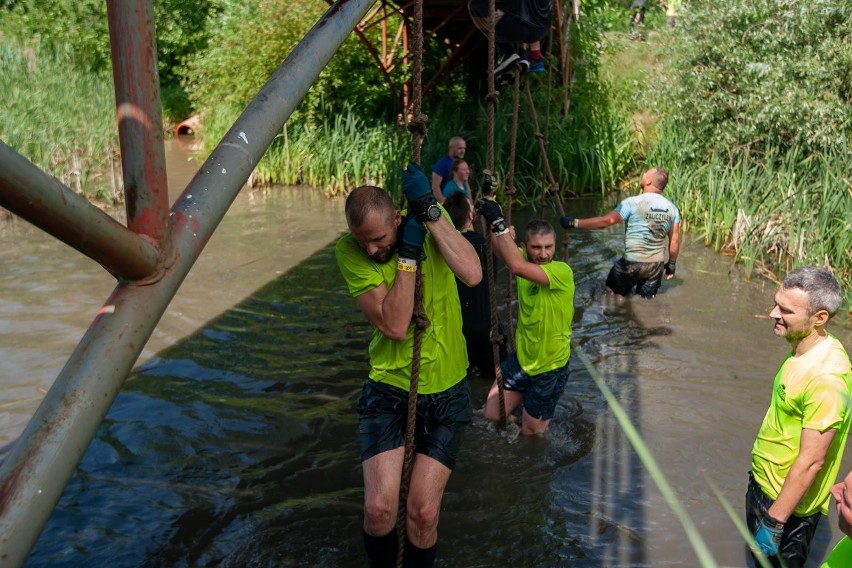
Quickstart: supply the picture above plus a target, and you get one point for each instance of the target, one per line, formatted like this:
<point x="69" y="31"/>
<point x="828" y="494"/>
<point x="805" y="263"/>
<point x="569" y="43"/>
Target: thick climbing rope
<point x="491" y="100"/>
<point x="510" y="191"/>
<point x="417" y="127"/>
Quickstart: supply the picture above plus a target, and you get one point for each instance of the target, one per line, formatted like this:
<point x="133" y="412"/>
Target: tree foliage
<point x="250" y="40"/>
<point x="748" y="75"/>
<point x="80" y="28"/>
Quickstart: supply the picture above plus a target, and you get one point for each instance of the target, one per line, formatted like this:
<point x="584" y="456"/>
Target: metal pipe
<point x="140" y="122"/>
<point x="44" y="201"/>
<point x="37" y="469"/>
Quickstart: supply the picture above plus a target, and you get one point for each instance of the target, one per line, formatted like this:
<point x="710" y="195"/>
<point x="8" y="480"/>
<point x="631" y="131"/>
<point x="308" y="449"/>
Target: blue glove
<point x="417" y="190"/>
<point x="768" y="537"/>
<point x="412" y="236"/>
<point x="489" y="209"/>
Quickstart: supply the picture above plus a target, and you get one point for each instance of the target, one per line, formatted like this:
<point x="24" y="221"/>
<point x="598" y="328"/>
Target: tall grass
<point x="61" y="118"/>
<point x="772" y="213"/>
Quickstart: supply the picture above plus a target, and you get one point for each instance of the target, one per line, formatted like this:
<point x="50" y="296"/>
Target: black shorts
<point x="441" y="417"/>
<point x="798" y="531"/>
<point x="541" y="392"/>
<point x="645" y="276"/>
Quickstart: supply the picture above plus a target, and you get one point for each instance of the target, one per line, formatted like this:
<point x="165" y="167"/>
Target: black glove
<point x="567" y="222"/>
<point x="489" y="182"/>
<point x="417" y="191"/>
<point x="490" y="209"/>
<point x="669" y="268"/>
<point x="411" y="238"/>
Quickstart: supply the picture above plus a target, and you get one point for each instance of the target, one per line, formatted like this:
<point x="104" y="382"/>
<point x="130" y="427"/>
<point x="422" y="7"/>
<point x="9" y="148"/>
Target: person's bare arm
<point x="602" y="222"/>
<point x="436" y="187"/>
<point x="813" y="449"/>
<point x="456" y="250"/>
<point x="390" y="310"/>
<point x="674" y="242"/>
<point x="504" y="246"/>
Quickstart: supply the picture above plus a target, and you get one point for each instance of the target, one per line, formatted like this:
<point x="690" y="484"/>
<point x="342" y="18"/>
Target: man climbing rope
<point x="651" y="223"/>
<point x="521" y="25"/>
<point x="537" y="372"/>
<point x="379" y="261"/>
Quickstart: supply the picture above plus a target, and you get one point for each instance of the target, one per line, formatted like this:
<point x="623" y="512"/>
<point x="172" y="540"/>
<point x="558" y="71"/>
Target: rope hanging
<point x="510" y="191"/>
<point x="491" y="100"/>
<point x="417" y="127"/>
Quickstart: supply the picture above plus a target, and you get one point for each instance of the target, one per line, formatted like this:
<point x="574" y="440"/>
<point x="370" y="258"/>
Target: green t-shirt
<point x="543" y="337"/>
<point x="811" y="391"/>
<point x="443" y="361"/>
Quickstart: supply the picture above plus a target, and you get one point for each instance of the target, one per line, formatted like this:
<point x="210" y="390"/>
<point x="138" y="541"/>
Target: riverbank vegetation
<point x="746" y="104"/>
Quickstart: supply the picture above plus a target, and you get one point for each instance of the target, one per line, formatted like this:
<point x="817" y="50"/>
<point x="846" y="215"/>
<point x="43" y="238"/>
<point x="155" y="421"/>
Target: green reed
<point x="773" y="212"/>
<point x="60" y="118"/>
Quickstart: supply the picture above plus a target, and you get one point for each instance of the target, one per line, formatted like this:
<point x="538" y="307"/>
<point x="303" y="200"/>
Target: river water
<point x="234" y="441"/>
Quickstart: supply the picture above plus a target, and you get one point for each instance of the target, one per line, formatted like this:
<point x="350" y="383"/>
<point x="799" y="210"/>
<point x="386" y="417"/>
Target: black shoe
<point x="505" y="62"/>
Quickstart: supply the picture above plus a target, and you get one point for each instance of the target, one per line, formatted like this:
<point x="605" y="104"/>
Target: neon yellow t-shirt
<point x="543" y="337"/>
<point x="811" y="391"/>
<point x="443" y="360"/>
<point x="673" y="7"/>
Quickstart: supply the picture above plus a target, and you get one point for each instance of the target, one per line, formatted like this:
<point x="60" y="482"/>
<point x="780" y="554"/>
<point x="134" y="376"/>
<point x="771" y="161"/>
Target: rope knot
<point x="417" y="124"/>
<point x="493" y="96"/>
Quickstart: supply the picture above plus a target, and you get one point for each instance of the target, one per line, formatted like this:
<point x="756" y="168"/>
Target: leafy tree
<point x="748" y="75"/>
<point x="80" y="27"/>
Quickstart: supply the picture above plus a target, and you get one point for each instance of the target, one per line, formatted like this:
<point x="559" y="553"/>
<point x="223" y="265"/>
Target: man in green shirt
<point x="536" y="373"/>
<point x="798" y="449"/>
<point x="379" y="261"/>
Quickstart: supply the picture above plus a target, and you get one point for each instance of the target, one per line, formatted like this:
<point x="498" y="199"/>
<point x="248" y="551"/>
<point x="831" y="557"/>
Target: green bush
<point x="746" y="76"/>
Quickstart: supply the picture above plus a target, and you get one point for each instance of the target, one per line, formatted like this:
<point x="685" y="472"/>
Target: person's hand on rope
<point x="567" y="222"/>
<point x="493" y="214"/>
<point x="669" y="267"/>
<point x="418" y="193"/>
<point x="768" y="536"/>
<point x="489" y="182"/>
<point x="411" y="239"/>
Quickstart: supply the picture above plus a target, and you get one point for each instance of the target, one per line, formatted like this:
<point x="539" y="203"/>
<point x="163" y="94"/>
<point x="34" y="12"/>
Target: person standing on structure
<point x="536" y="373"/>
<point x="797" y="453"/>
<point x="652" y="232"/>
<point x="379" y="261"/>
<point x="442" y="171"/>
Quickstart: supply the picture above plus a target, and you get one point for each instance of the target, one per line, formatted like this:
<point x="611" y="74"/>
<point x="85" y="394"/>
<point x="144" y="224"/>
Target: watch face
<point x="433" y="213"/>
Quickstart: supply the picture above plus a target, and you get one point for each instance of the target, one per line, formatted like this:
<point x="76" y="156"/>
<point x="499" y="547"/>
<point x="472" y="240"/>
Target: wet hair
<point x="538" y="227"/>
<point x="660" y="177"/>
<point x="823" y="289"/>
<point x="457" y="164"/>
<point x="458" y="206"/>
<point x="365" y="200"/>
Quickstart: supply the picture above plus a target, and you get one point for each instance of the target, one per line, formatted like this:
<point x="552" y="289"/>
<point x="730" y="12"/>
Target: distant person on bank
<point x="651" y="237"/>
<point x="442" y="171"/>
<point x="799" y="446"/>
<point x="459" y="176"/>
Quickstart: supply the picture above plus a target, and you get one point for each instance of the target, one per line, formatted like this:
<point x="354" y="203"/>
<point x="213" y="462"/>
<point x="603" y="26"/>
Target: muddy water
<point x="235" y="441"/>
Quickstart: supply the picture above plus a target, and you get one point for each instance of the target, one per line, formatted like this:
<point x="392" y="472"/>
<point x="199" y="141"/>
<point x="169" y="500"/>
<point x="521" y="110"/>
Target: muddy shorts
<point x="541" y="392"/>
<point x="645" y="276"/>
<point x="798" y="531"/>
<point x="441" y="417"/>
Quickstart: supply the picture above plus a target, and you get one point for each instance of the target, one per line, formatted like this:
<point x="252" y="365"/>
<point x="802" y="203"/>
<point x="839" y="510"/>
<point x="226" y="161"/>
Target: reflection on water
<point x="237" y="446"/>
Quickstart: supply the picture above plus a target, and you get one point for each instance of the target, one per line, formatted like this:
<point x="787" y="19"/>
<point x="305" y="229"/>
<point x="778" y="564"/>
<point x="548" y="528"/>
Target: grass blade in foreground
<point x="698" y="545"/>
<point x="738" y="522"/>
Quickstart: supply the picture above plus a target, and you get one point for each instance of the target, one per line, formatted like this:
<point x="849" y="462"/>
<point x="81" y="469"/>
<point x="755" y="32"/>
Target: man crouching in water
<point x="378" y="259"/>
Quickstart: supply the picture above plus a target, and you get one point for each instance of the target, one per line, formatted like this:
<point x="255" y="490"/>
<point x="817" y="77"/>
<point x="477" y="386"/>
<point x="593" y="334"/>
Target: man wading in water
<point x="378" y="259"/>
<point x="652" y="224"/>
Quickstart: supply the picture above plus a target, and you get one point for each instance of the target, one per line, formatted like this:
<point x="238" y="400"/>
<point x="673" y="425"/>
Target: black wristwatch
<point x="431" y="213"/>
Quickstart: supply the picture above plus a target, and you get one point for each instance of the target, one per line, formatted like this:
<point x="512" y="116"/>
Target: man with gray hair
<point x="442" y="171"/>
<point x="797" y="453"/>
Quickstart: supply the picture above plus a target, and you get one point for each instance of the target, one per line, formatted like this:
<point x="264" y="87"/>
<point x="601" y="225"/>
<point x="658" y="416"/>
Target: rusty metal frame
<point x="150" y="257"/>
